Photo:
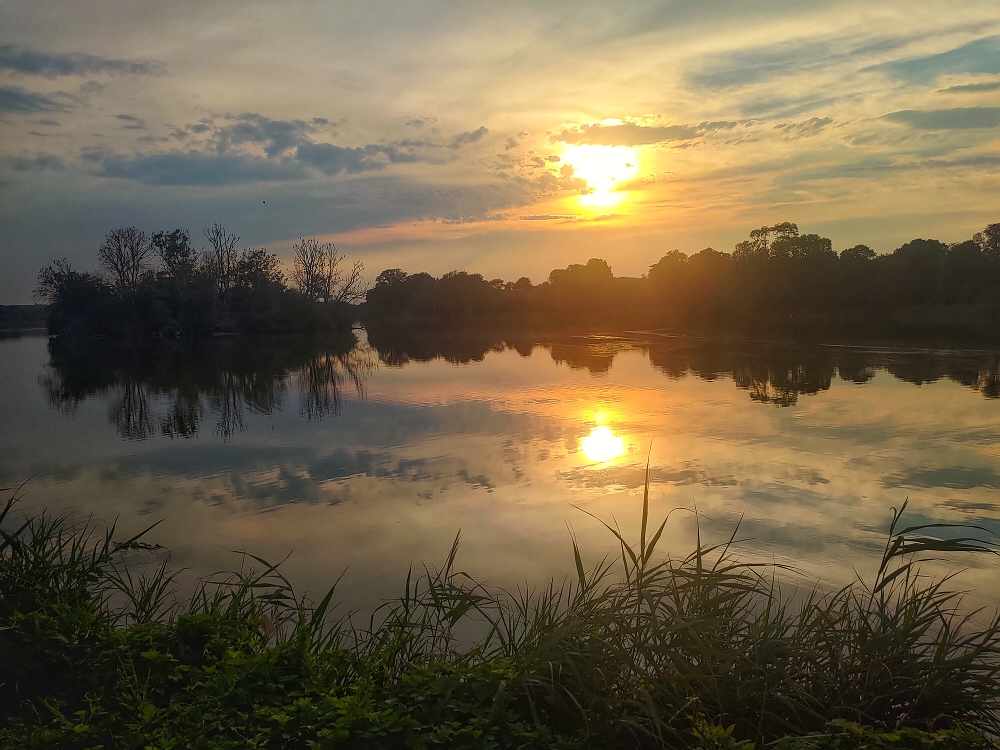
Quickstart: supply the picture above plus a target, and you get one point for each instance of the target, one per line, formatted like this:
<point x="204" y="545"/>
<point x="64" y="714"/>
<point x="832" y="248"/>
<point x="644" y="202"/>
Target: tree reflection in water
<point x="771" y="373"/>
<point x="321" y="380"/>
<point x="172" y="388"/>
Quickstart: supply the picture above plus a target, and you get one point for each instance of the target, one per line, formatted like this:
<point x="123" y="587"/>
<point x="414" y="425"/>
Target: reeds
<point x="639" y="651"/>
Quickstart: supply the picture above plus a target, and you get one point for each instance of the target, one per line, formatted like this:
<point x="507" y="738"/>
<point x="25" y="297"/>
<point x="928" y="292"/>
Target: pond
<point x="369" y="453"/>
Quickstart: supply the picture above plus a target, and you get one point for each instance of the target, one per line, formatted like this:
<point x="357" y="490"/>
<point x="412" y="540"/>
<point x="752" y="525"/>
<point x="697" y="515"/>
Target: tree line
<point x="778" y="280"/>
<point x="160" y="284"/>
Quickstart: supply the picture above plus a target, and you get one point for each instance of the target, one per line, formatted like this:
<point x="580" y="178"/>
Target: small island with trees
<point x="161" y="285"/>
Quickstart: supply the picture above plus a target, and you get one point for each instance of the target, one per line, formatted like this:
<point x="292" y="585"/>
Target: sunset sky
<point x="504" y="138"/>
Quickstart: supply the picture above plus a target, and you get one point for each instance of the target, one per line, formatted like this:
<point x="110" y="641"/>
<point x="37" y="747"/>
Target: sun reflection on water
<point x="602" y="444"/>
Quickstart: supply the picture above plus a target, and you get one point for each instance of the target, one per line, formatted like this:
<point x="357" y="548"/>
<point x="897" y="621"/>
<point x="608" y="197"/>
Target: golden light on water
<point x="604" y="168"/>
<point x="602" y="444"/>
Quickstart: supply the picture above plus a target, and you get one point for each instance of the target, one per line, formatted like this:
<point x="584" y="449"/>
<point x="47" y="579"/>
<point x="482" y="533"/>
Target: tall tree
<point x="125" y="256"/>
<point x="222" y="258"/>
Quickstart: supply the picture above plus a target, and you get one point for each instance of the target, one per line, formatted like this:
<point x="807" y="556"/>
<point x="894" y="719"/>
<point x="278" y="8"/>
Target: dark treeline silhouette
<point x="771" y="373"/>
<point x="161" y="285"/>
<point x="173" y="388"/>
<point x="778" y="281"/>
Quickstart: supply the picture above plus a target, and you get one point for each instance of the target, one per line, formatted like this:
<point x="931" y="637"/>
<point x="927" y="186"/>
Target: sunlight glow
<point x="602" y="444"/>
<point x="604" y="168"/>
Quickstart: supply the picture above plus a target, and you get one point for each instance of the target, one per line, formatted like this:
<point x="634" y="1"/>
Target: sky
<point x="504" y="138"/>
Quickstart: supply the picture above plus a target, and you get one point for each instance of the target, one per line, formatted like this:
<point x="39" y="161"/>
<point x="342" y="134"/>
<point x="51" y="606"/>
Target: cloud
<point x="634" y="134"/>
<point x="131" y="122"/>
<point x="471" y="137"/>
<point x="277" y="136"/>
<point x="17" y="99"/>
<point x="804" y="129"/>
<point x="957" y="118"/>
<point x="37" y="162"/>
<point x="331" y="160"/>
<point x="971" y="88"/>
<point x="195" y="168"/>
<point x="229" y="153"/>
<point x="979" y="56"/>
<point x="477" y="218"/>
<point x="810" y="55"/>
<point x="756" y="64"/>
<point x="34" y="62"/>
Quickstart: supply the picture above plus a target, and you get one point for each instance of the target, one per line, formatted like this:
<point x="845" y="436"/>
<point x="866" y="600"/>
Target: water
<point x="373" y="458"/>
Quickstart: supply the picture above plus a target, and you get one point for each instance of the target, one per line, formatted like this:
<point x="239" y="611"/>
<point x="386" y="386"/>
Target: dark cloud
<point x="35" y="62"/>
<point x="980" y="56"/>
<point x="971" y="88"/>
<point x="634" y="134"/>
<point x="957" y="118"/>
<point x="219" y="153"/>
<point x="91" y="87"/>
<point x="471" y="137"/>
<point x="276" y="136"/>
<point x="48" y="121"/>
<point x="393" y="154"/>
<point x="17" y="99"/>
<point x="131" y="122"/>
<point x="195" y="168"/>
<point x="37" y="161"/>
<point x="331" y="160"/>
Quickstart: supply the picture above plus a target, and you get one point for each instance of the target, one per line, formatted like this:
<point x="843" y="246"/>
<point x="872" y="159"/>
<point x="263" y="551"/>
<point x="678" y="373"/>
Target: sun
<point x="604" y="168"/>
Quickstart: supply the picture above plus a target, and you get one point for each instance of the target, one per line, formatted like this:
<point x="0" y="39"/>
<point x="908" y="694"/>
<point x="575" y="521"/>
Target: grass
<point x="639" y="651"/>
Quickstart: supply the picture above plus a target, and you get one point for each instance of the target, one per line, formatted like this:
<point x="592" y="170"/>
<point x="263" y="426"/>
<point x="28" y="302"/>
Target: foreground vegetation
<point x="777" y="282"/>
<point x="642" y="652"/>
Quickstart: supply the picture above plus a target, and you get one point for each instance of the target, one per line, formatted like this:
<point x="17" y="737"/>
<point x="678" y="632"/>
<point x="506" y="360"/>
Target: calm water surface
<point x="373" y="458"/>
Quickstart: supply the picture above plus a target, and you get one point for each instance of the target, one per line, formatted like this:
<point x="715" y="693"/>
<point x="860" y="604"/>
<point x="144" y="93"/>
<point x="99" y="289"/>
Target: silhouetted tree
<point x="858" y="253"/>
<point x="318" y="273"/>
<point x="257" y="269"/>
<point x="124" y="255"/>
<point x="179" y="257"/>
<point x="222" y="258"/>
<point x="762" y="240"/>
<point x="989" y="240"/>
